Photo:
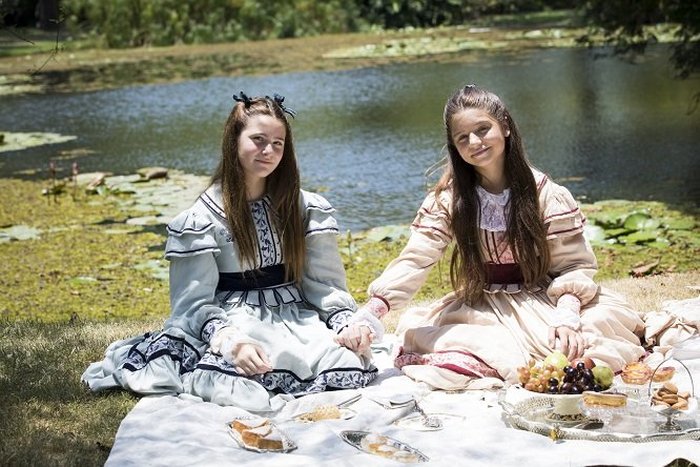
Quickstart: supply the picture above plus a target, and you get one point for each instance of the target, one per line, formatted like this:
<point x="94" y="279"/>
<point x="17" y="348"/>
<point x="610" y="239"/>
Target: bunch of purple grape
<point x="575" y="381"/>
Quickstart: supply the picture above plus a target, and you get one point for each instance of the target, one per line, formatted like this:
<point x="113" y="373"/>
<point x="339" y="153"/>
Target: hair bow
<point x="279" y="100"/>
<point x="241" y="97"/>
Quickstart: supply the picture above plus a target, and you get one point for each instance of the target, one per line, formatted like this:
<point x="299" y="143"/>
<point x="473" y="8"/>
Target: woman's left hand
<point x="355" y="337"/>
<point x="571" y="343"/>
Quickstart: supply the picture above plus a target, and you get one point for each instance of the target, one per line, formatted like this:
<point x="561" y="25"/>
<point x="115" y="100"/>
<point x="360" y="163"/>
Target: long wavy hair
<point x="526" y="230"/>
<point x="282" y="186"/>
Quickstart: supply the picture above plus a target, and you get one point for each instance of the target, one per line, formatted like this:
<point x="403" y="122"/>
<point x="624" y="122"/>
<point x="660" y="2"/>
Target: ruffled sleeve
<point x="191" y="249"/>
<point x="191" y="233"/>
<point x="430" y="236"/>
<point x="573" y="263"/>
<point x="324" y="282"/>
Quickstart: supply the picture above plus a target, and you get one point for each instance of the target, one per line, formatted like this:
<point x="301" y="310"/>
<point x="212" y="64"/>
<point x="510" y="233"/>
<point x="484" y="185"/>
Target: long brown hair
<point x="526" y="230"/>
<point x="283" y="188"/>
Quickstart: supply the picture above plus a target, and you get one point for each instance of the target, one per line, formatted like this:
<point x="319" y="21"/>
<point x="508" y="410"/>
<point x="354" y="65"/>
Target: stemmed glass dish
<point x="603" y="406"/>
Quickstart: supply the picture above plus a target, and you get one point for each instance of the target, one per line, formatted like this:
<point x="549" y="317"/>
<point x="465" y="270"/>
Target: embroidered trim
<point x="289" y="383"/>
<point x="210" y="327"/>
<point x="338" y="319"/>
<point x="162" y="345"/>
<point x="269" y="245"/>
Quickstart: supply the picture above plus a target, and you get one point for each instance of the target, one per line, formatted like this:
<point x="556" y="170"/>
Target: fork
<point x="429" y="421"/>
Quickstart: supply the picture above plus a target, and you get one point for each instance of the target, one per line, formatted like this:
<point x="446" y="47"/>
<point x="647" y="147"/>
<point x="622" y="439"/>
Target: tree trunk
<point x="47" y="14"/>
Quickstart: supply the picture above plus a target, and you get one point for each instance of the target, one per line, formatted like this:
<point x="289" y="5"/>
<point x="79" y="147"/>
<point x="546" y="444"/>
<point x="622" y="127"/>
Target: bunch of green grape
<point x="553" y="380"/>
<point x="538" y="378"/>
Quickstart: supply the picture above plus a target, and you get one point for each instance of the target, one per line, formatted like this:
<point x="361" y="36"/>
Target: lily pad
<point x="641" y="221"/>
<point x="156" y="267"/>
<point x="679" y="224"/>
<point x="386" y="233"/>
<point x="642" y="236"/>
<point x="80" y="280"/>
<point x="18" y="141"/>
<point x="594" y="233"/>
<point x="145" y="220"/>
<point x="606" y="220"/>
<point x="19" y="232"/>
<point x="613" y="233"/>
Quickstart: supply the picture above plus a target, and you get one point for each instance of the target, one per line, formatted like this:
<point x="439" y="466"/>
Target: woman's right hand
<point x="250" y="359"/>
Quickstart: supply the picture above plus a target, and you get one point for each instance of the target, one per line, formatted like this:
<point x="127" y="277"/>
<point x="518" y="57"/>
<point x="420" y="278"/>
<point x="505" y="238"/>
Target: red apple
<point x="588" y="363"/>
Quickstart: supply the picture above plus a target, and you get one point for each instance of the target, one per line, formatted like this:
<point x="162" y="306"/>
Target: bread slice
<point x="243" y="424"/>
<point x="263" y="437"/>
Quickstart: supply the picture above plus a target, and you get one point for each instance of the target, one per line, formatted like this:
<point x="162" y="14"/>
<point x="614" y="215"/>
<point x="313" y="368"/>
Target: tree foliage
<point x="624" y="25"/>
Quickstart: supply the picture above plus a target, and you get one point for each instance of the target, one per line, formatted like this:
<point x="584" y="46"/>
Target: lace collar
<point x="494" y="209"/>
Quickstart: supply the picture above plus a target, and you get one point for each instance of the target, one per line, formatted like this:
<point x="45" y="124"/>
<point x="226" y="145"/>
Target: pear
<point x="603" y="376"/>
<point x="556" y="359"/>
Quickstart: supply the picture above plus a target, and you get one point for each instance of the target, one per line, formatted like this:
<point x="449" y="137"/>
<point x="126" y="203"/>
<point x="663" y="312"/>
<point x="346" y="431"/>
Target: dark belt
<point x="268" y="276"/>
<point x="503" y="273"/>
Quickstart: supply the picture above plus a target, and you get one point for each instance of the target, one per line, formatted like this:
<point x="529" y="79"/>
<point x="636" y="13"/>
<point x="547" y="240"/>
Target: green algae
<point x="88" y="260"/>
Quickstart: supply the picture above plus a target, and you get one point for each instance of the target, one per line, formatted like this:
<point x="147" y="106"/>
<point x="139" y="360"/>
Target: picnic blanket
<point x="173" y="431"/>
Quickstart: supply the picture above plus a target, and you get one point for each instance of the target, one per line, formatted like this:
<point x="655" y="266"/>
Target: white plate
<point x="396" y="450"/>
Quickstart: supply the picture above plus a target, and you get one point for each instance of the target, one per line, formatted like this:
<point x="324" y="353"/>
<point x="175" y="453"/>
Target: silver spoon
<point x="429" y="421"/>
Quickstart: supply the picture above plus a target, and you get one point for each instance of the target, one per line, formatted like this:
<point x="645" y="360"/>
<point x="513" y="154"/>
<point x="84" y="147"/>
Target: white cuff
<point x="378" y="306"/>
<point x="364" y="317"/>
<point x="226" y="339"/>
<point x="567" y="312"/>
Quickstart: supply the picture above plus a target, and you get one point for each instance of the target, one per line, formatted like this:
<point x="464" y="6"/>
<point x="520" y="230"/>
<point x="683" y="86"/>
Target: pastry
<point x="321" y="412"/>
<point x="636" y="373"/>
<point x="663" y="374"/>
<point x="263" y="437"/>
<point x="604" y="399"/>
<point x="243" y="424"/>
<point x="669" y="396"/>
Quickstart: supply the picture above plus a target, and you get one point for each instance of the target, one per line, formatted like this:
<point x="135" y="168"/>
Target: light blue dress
<point x="294" y="324"/>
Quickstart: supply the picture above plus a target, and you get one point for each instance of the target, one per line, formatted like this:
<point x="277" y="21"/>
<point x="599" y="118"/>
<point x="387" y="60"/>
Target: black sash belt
<point x="508" y="273"/>
<point x="269" y="276"/>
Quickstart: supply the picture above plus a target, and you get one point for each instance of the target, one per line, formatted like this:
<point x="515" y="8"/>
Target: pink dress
<point x="510" y="324"/>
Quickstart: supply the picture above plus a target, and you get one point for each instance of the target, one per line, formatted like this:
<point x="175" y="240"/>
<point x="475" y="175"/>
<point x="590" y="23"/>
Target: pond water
<point x="605" y="128"/>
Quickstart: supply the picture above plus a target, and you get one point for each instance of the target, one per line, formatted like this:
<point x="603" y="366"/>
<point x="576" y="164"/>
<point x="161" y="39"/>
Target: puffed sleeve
<point x="430" y="236"/>
<point x="573" y="263"/>
<point x="191" y="249"/>
<point x="324" y="282"/>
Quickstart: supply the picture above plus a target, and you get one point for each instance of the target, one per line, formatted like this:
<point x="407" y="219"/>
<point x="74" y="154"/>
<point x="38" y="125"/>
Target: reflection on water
<point x="365" y="137"/>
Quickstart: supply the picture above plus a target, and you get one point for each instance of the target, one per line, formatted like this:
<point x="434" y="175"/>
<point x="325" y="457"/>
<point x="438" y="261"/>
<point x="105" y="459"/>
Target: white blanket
<point x="173" y="431"/>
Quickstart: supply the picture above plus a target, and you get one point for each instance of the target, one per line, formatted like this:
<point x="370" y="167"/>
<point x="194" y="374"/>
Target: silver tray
<point x="535" y="415"/>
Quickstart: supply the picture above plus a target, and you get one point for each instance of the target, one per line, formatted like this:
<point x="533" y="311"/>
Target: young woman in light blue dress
<point x="257" y="286"/>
